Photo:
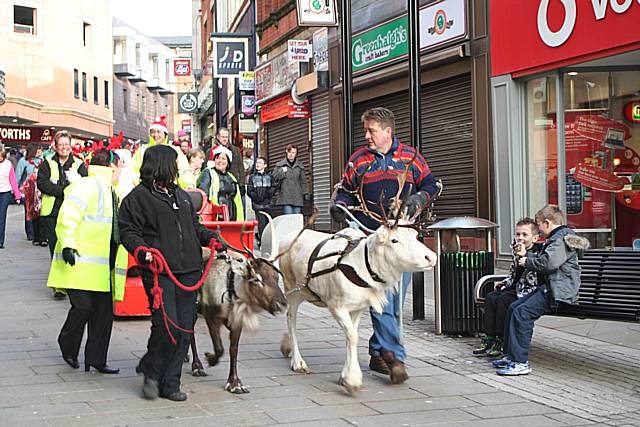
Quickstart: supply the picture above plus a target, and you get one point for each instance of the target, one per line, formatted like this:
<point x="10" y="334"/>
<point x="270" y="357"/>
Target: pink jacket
<point x="6" y="165"/>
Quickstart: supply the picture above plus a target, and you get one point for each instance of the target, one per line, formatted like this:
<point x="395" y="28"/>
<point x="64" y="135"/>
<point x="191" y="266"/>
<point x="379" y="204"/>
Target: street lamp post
<point x="347" y="77"/>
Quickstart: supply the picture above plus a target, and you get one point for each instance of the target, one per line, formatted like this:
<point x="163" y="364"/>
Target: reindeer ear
<point x="382" y="234"/>
<point x="206" y="254"/>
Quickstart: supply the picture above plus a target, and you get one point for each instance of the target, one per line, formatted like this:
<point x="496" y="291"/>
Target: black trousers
<point x="49" y="223"/>
<point x="94" y="309"/>
<point x="262" y="221"/>
<point x="163" y="360"/>
<point x="495" y="310"/>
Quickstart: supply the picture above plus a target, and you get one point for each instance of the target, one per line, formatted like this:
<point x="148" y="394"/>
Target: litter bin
<point x="457" y="273"/>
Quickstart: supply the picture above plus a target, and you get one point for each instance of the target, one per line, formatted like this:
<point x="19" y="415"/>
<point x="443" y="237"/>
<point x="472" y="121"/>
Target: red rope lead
<point x="158" y="265"/>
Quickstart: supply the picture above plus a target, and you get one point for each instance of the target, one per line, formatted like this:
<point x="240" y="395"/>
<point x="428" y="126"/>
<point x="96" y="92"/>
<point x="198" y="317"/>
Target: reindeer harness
<point x="349" y="272"/>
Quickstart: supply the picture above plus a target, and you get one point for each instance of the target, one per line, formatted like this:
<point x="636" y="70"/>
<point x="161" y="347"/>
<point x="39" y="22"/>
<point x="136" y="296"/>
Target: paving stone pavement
<point x="577" y="380"/>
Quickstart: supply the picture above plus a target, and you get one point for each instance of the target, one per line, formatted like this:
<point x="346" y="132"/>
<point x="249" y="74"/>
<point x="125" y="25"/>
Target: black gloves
<point x="414" y="203"/>
<point x="69" y="256"/>
<point x="337" y="214"/>
<point x="306" y="197"/>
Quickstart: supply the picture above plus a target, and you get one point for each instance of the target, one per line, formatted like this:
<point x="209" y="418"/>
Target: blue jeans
<point x="518" y="329"/>
<point x="386" y="325"/>
<point x="5" y="200"/>
<point x="290" y="209"/>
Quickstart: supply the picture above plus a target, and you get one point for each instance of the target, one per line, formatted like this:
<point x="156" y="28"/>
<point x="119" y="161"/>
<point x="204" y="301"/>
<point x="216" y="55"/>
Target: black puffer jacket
<point x="168" y="223"/>
<point x="261" y="188"/>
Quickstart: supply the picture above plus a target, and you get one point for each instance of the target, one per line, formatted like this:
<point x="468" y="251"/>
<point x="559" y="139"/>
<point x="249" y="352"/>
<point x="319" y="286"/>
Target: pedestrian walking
<point x="291" y="179"/>
<point x="86" y="262"/>
<point x="261" y="189"/>
<point x="378" y="166"/>
<point x="26" y="167"/>
<point x="221" y="186"/>
<point x="158" y="214"/>
<point x="8" y="190"/>
<point x="54" y="175"/>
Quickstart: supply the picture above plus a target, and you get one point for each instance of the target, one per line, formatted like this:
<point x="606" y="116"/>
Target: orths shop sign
<point x="25" y="134"/>
<point x="534" y="35"/>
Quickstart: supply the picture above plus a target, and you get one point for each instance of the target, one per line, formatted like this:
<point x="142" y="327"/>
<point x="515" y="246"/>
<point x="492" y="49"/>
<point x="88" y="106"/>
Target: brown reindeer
<point x="236" y="291"/>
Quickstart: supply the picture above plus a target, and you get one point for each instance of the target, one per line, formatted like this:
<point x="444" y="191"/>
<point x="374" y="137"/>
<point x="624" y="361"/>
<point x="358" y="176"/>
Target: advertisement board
<point x="316" y="13"/>
<point x="231" y="57"/>
<point x="181" y="67"/>
<point x="299" y="50"/>
<point x="247" y="81"/>
<point x="276" y="77"/>
<point x="187" y="102"/>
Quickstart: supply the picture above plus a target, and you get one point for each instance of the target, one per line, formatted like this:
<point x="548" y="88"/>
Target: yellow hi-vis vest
<point x="184" y="179"/>
<point x="215" y="188"/>
<point x="84" y="224"/>
<point x="48" y="200"/>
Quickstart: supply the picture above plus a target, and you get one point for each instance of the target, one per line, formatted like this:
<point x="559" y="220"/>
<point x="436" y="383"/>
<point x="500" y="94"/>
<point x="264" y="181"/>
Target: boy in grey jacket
<point x="558" y="282"/>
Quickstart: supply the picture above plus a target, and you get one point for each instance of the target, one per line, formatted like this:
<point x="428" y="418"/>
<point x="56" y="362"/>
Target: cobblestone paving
<point x="576" y="380"/>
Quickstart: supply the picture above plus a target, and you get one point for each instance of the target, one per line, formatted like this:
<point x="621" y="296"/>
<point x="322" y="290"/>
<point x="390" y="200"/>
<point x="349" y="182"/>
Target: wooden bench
<point x="610" y="288"/>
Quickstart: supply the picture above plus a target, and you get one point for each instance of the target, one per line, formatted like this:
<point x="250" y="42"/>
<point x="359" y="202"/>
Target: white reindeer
<point x="390" y="250"/>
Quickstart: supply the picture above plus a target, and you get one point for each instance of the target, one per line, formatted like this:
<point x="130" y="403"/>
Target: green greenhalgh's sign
<point x="380" y="44"/>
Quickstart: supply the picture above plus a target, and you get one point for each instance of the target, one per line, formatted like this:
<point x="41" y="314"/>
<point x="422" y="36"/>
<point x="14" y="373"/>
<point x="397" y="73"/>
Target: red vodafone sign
<point x="529" y="36"/>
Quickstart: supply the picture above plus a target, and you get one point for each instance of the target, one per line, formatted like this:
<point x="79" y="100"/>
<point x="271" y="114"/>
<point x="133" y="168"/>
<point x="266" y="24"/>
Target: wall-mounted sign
<point x="181" y="67"/>
<point x="299" y="50"/>
<point x="598" y="178"/>
<point x="443" y="22"/>
<point x="248" y="104"/>
<point x="187" y="102"/>
<point x="276" y="77"/>
<point x="380" y="44"/>
<point x="25" y="134"/>
<point x="631" y="110"/>
<point x="284" y="107"/>
<point x="247" y="81"/>
<point x="532" y="36"/>
<point x="231" y="57"/>
<point x="247" y="126"/>
<point x="205" y="97"/>
<point x="315" y="13"/>
<point x="321" y="50"/>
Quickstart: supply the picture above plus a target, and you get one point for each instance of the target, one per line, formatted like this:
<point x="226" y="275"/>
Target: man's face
<point x="525" y="236"/>
<point x="157" y="135"/>
<point x="260" y="165"/>
<point x="184" y="146"/>
<point x="545" y="227"/>
<point x="39" y="152"/>
<point x="291" y="154"/>
<point x="377" y="138"/>
<point x="63" y="147"/>
<point x="223" y="137"/>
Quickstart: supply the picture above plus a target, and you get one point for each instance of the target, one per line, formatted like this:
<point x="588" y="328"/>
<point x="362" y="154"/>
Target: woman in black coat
<point x="158" y="214"/>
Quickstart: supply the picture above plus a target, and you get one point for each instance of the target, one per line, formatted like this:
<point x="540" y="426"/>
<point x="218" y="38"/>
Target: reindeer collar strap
<point x="372" y="273"/>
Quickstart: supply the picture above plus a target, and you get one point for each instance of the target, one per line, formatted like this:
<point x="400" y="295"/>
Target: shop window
<point x="76" y="84"/>
<point x="24" y="20"/>
<point x="602" y="151"/>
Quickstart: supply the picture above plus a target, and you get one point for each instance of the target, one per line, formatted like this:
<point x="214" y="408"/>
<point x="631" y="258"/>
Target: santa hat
<point x="160" y="123"/>
<point x="220" y="149"/>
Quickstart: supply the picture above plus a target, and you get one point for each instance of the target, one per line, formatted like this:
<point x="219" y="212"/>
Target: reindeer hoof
<point x="197" y="370"/>
<point x="236" y="388"/>
<point x="350" y="388"/>
<point x="285" y="347"/>
<point x="300" y="367"/>
<point x="212" y="359"/>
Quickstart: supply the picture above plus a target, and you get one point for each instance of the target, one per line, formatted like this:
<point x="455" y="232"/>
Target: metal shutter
<point x="321" y="159"/>
<point x="289" y="131"/>
<point x="447" y="143"/>
<point x="447" y="138"/>
<point x="396" y="102"/>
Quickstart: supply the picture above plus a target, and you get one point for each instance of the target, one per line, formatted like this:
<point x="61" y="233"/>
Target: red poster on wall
<point x="598" y="178"/>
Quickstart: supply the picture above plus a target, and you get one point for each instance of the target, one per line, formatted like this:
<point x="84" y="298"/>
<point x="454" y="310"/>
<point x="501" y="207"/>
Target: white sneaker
<point x="515" y="369"/>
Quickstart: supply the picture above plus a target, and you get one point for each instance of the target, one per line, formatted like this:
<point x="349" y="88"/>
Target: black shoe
<point x="71" y="361"/>
<point x="376" y="363"/>
<point x="34" y="243"/>
<point x="59" y="295"/>
<point x="103" y="369"/>
<point x="150" y="388"/>
<point x="44" y="243"/>
<point x="176" y="396"/>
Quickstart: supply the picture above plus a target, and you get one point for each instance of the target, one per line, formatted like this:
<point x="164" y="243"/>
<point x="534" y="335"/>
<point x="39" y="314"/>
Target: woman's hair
<point x="104" y="157"/>
<point x="159" y="165"/>
<point x="3" y="155"/>
<point x="195" y="152"/>
<point x="32" y="148"/>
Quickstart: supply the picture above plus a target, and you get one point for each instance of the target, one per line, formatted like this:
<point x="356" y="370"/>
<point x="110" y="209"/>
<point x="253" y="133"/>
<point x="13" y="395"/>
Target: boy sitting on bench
<point x="521" y="282"/>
